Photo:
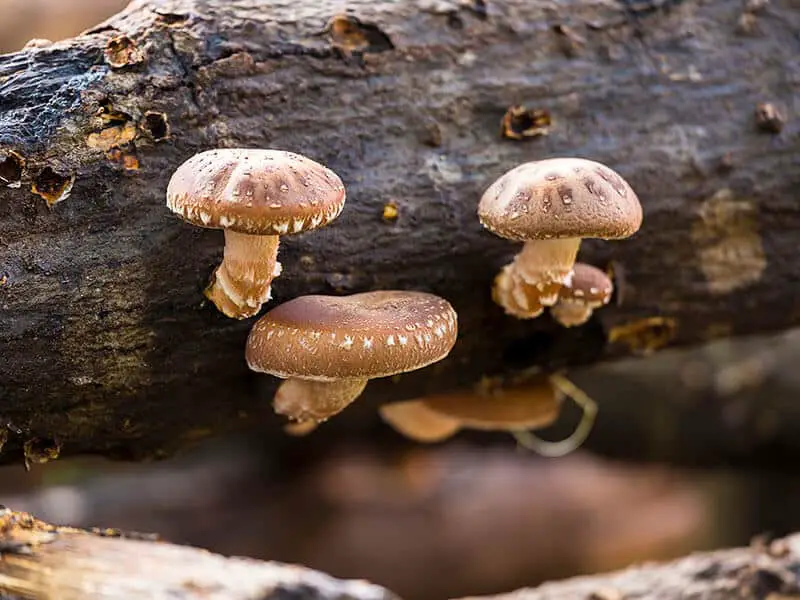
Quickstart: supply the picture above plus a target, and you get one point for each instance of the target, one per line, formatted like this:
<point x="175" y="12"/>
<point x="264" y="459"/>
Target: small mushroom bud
<point x="328" y="347"/>
<point x="551" y="205"/>
<point x="590" y="289"/>
<point x="255" y="196"/>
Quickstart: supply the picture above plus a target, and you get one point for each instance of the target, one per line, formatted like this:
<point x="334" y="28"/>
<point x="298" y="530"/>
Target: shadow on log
<point x="106" y="344"/>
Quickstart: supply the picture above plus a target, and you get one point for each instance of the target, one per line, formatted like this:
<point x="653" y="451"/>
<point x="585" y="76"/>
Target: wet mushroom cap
<point x="590" y="286"/>
<point x="257" y="192"/>
<point x="368" y="335"/>
<point x="560" y="198"/>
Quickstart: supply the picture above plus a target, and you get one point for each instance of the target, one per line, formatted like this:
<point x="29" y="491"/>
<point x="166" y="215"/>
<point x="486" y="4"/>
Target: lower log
<point x="768" y="572"/>
<point x="44" y="562"/>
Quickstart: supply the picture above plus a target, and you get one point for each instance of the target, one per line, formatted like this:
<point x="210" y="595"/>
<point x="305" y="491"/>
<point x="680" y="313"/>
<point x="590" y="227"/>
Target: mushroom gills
<point x="313" y="400"/>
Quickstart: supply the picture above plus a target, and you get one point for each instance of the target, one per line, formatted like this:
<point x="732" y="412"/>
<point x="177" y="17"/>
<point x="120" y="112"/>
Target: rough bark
<point x="755" y="573"/>
<point x="106" y="345"/>
<point x="41" y="562"/>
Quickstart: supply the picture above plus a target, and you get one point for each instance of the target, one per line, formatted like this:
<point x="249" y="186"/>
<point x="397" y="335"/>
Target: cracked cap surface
<point x="255" y="191"/>
<point x="560" y="198"/>
<point x="367" y="335"/>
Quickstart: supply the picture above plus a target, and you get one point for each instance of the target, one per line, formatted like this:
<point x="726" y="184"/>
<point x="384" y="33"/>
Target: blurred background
<point x="681" y="459"/>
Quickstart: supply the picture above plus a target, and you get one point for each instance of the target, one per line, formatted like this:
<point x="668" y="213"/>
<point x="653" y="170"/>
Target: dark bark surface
<point x="106" y="344"/>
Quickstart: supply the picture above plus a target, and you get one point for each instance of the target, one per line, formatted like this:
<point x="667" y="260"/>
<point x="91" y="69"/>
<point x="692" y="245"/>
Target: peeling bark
<point x="106" y="343"/>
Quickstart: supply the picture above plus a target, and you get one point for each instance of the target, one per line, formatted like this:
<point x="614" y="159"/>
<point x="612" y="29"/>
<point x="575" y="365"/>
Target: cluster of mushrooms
<point x="326" y="348"/>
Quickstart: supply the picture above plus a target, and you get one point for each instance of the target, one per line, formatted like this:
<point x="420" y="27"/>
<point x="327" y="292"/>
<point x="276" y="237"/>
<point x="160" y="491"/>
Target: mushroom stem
<point x="571" y="314"/>
<point x="547" y="264"/>
<point x="313" y="400"/>
<point x="242" y="282"/>
<point x="528" y="440"/>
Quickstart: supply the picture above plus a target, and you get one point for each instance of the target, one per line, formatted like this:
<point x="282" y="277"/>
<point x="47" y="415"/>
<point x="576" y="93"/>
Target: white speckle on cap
<point x="281" y="228"/>
<point x="347" y="343"/>
<point x="367" y="343"/>
<point x="205" y="218"/>
<point x="420" y="341"/>
<point x="402" y="339"/>
<point x="390" y="340"/>
<point x="297" y="225"/>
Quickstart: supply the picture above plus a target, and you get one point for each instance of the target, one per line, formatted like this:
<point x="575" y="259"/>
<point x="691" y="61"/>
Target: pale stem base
<point x="310" y="400"/>
<point x="242" y="282"/>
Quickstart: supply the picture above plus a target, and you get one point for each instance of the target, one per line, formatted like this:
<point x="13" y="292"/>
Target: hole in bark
<point x="171" y="18"/>
<point x="352" y="36"/>
<point x="40" y="451"/>
<point x="11" y="165"/>
<point x="455" y="21"/>
<point x="156" y="125"/>
<point x="111" y="115"/>
<point x="520" y="122"/>
<point x="52" y="186"/>
<point x="122" y="51"/>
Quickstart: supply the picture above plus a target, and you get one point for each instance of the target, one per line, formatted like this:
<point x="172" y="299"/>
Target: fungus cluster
<point x="327" y="348"/>
<point x="551" y="205"/>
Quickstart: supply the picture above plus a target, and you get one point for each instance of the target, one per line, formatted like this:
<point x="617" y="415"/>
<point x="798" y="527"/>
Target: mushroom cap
<point x="367" y="335"/>
<point x="530" y="405"/>
<point x="589" y="286"/>
<point x="560" y="198"/>
<point x="257" y="192"/>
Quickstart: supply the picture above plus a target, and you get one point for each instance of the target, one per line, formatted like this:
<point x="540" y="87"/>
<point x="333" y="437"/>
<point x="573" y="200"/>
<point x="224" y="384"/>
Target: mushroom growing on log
<point x="104" y="344"/>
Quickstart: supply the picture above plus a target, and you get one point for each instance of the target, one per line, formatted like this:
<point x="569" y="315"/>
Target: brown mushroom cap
<point x="257" y="192"/>
<point x="589" y="286"/>
<point x="368" y="335"/>
<point x="523" y="406"/>
<point x="560" y="198"/>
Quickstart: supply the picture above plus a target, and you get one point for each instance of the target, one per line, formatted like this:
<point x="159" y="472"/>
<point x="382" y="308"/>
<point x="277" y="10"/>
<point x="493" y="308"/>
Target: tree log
<point x="106" y="344"/>
<point x="43" y="562"/>
<point x="761" y="571"/>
